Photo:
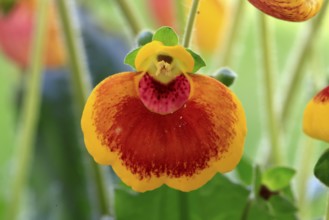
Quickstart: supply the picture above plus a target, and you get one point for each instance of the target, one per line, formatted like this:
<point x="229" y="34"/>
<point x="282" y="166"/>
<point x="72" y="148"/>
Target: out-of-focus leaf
<point x="198" y="61"/>
<point x="321" y="169"/>
<point x="213" y="201"/>
<point x="281" y="205"/>
<point x="166" y="35"/>
<point x="245" y="171"/>
<point x="60" y="162"/>
<point x="258" y="210"/>
<point x="277" y="178"/>
<point x="276" y="208"/>
<point x="105" y="51"/>
<point x="7" y="128"/>
<point x="217" y="199"/>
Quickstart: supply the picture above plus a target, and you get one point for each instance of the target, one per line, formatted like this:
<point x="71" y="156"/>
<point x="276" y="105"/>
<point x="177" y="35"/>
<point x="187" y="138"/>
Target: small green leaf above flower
<point x="198" y="61"/>
<point x="131" y="56"/>
<point x="321" y="169"/>
<point x="166" y="35"/>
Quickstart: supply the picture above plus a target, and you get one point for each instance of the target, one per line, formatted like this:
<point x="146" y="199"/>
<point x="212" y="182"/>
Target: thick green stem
<point x="268" y="90"/>
<point x="247" y="209"/>
<point x="305" y="168"/>
<point x="296" y="69"/>
<point x="81" y="84"/>
<point x="234" y="33"/>
<point x="190" y="23"/>
<point x="130" y="16"/>
<point x="30" y="112"/>
<point x="183" y="200"/>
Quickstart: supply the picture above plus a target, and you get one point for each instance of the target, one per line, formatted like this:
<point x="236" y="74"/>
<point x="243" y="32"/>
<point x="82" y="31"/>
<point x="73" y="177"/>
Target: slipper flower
<point x="316" y="116"/>
<point x="297" y="10"/>
<point x="16" y="32"/>
<point x="163" y="124"/>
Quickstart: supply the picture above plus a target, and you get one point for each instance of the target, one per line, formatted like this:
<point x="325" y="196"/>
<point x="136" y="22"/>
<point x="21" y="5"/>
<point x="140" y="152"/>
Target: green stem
<point x="130" y="16"/>
<point x="30" y="113"/>
<point x="180" y="14"/>
<point x="184" y="213"/>
<point x="81" y="84"/>
<point x="305" y="171"/>
<point x="268" y="90"/>
<point x="247" y="209"/>
<point x="190" y="23"/>
<point x="234" y="33"/>
<point x="296" y="70"/>
<point x="327" y="215"/>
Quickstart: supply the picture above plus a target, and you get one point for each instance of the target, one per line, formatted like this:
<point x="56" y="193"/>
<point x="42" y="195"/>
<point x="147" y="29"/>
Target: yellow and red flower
<point x="164" y="124"/>
<point x="316" y="116"/>
<point x="16" y="32"/>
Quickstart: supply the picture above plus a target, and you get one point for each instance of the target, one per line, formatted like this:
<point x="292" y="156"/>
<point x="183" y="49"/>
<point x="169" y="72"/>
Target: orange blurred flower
<point x="164" y="124"/>
<point x="16" y="32"/>
<point x="316" y="116"/>
<point x="297" y="10"/>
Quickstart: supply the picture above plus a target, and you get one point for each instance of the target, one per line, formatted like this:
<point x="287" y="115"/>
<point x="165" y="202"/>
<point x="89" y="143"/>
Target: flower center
<point x="164" y="98"/>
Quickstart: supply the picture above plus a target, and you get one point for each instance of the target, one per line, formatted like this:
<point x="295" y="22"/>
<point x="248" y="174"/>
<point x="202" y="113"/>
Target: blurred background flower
<point x="16" y="32"/>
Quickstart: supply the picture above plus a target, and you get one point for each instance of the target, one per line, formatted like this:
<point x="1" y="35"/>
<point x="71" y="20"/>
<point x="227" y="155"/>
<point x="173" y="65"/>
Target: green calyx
<point x="168" y="37"/>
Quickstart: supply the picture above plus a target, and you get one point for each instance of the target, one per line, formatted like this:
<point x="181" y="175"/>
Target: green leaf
<point x="321" y="169"/>
<point x="277" y="178"/>
<point x="219" y="199"/>
<point x="258" y="209"/>
<point x="277" y="208"/>
<point x="282" y="205"/>
<point x="198" y="61"/>
<point x="131" y="56"/>
<point x="245" y="171"/>
<point x="167" y="36"/>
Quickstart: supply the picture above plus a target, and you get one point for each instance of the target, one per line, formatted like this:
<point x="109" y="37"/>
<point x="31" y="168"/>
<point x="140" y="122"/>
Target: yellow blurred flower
<point x="316" y="116"/>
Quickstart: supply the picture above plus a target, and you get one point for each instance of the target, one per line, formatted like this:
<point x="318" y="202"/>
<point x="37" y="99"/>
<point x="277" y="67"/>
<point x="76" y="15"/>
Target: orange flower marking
<point x="296" y="10"/>
<point x="316" y="116"/>
<point x="182" y="147"/>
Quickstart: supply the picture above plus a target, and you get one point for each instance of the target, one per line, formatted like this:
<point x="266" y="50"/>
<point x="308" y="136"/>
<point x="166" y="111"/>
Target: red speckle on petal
<point x="322" y="96"/>
<point x="161" y="98"/>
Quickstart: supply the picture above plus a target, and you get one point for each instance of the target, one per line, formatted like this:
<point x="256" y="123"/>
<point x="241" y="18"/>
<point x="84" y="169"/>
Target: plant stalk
<point x="233" y="34"/>
<point x="296" y="69"/>
<point x="82" y="84"/>
<point x="183" y="199"/>
<point x="327" y="215"/>
<point x="190" y="23"/>
<point x="272" y="125"/>
<point x="30" y="112"/>
<point x="131" y="18"/>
